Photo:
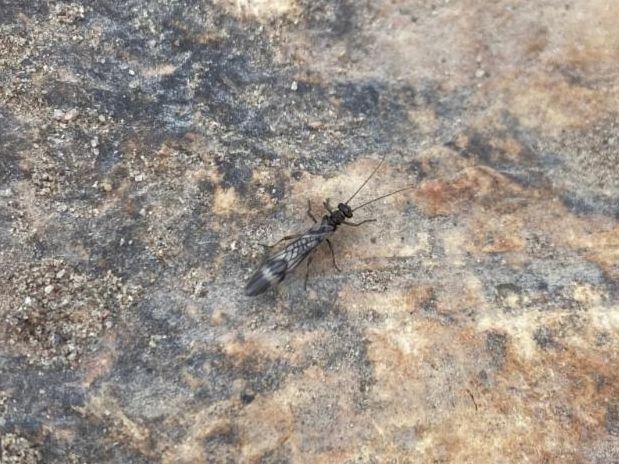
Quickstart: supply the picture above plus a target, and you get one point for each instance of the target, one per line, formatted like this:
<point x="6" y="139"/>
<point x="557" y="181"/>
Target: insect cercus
<point x="274" y="269"/>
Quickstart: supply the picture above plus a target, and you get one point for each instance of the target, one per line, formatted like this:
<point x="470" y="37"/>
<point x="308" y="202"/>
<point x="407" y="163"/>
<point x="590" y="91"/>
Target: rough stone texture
<point x="148" y="147"/>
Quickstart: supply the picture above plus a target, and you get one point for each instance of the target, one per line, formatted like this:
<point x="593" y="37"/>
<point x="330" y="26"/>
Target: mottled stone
<point x="148" y="148"/>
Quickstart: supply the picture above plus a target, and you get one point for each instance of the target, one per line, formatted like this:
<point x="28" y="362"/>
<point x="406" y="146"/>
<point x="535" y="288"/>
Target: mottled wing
<point x="298" y="250"/>
<point x="270" y="273"/>
<point x="275" y="268"/>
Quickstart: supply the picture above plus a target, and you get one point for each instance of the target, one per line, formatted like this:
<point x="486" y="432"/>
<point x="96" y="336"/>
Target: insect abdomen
<point x="270" y="273"/>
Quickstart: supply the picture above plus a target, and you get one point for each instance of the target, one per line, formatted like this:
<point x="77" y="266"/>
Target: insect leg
<point x="358" y="223"/>
<point x="309" y="210"/>
<point x="309" y="260"/>
<point x="287" y="237"/>
<point x="333" y="255"/>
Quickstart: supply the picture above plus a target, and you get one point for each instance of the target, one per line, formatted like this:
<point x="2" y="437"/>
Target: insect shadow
<point x="275" y="268"/>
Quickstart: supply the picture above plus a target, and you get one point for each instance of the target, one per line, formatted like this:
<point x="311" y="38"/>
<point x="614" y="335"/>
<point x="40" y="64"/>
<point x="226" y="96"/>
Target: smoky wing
<point x="298" y="250"/>
<point x="271" y="272"/>
<point x="275" y="268"/>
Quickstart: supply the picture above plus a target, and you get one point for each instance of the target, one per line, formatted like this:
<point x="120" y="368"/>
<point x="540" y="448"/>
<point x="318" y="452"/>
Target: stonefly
<point x="274" y="269"/>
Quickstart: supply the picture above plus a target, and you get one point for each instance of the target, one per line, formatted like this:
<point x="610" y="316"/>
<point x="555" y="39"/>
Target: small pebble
<point x="200" y="290"/>
<point x="71" y="115"/>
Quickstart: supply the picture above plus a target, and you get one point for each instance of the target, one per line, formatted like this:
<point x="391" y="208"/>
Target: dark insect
<point x="274" y="269"/>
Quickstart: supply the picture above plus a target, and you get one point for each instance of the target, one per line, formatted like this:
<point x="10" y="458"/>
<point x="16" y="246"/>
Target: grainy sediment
<point x="147" y="148"/>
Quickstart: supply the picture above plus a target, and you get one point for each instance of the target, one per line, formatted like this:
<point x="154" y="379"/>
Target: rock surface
<point x="148" y="148"/>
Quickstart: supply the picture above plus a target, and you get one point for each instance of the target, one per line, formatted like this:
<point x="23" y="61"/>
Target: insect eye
<point x="345" y="209"/>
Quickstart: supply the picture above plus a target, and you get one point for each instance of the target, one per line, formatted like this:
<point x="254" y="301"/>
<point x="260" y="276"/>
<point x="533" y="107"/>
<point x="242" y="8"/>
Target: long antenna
<point x="384" y="196"/>
<point x="366" y="180"/>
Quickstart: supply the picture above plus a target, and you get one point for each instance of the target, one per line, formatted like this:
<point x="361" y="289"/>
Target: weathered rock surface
<point x="147" y="148"/>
